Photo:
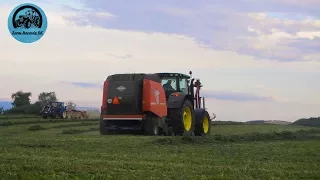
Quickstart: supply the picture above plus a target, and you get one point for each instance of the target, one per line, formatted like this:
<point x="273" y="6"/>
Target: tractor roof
<point x="171" y="74"/>
<point x="132" y="76"/>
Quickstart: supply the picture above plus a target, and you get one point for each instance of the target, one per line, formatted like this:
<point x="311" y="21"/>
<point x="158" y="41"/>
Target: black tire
<point x="203" y="125"/>
<point x="151" y="126"/>
<point x="63" y="115"/>
<point x="37" y="21"/>
<point x="18" y="23"/>
<point x="45" y="116"/>
<point x="102" y="128"/>
<point x="176" y="116"/>
<point x="167" y="130"/>
<point x="170" y="131"/>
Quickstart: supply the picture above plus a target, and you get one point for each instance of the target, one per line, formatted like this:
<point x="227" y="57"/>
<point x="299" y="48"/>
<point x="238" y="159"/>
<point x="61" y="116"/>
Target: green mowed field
<point x="74" y="149"/>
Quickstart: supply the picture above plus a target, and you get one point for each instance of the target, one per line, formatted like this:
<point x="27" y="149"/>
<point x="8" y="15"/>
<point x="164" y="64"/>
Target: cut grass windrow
<point x="17" y="116"/>
<point x="311" y="134"/>
<point x="43" y="121"/>
<point x="36" y="128"/>
<point x="78" y="131"/>
<point x="75" y="125"/>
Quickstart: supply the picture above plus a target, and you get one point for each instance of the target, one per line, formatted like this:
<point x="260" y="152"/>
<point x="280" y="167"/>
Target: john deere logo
<point x="27" y="23"/>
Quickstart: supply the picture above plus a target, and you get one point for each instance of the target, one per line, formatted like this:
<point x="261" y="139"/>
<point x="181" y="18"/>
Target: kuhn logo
<point x="121" y="88"/>
<point x="156" y="95"/>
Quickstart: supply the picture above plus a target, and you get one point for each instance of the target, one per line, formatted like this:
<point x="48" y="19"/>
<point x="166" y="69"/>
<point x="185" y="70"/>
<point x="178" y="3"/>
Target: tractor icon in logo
<point x="28" y="18"/>
<point x="27" y="23"/>
<point x="156" y="95"/>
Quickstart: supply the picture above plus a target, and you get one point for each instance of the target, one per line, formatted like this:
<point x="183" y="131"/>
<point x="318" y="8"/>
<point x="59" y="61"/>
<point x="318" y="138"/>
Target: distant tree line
<point x="217" y="122"/>
<point x="21" y="103"/>
<point x="313" y="122"/>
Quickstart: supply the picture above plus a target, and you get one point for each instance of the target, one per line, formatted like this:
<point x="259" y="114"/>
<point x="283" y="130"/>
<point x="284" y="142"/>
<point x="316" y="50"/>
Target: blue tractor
<point x="54" y="110"/>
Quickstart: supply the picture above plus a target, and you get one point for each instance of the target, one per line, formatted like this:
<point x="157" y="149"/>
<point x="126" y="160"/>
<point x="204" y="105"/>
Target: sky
<point x="256" y="59"/>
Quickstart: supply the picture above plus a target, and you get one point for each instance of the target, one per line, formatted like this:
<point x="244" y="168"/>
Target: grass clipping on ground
<point x="254" y="136"/>
<point x="36" y="128"/>
<point x="78" y="131"/>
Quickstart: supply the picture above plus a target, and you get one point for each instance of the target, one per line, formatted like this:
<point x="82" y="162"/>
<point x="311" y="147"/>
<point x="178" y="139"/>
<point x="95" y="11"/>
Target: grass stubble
<point x="29" y="151"/>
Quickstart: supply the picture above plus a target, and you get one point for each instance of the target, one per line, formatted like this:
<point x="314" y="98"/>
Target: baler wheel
<point x="151" y="126"/>
<point x="102" y="128"/>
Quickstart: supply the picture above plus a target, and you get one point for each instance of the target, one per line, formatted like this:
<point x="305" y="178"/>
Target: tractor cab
<point x="174" y="82"/>
<point x="57" y="104"/>
<point x="183" y="84"/>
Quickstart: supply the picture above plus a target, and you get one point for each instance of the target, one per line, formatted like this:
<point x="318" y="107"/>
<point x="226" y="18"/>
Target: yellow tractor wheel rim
<point x="187" y="118"/>
<point x="205" y="124"/>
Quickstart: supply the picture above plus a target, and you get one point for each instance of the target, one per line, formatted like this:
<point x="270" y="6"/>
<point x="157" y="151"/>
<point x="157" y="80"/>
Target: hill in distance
<point x="5" y="104"/>
<point x="279" y="122"/>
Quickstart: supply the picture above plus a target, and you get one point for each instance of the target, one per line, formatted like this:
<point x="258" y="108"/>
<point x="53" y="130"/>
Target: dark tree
<point x="21" y="98"/>
<point x="46" y="97"/>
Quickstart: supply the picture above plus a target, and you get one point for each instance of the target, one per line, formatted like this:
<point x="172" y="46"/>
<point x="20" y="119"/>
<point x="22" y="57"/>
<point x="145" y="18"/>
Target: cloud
<point x="234" y="96"/>
<point x="220" y="95"/>
<point x="269" y="110"/>
<point x="125" y="56"/>
<point x="220" y="25"/>
<point x="83" y="16"/>
<point x="84" y="84"/>
<point x="311" y="46"/>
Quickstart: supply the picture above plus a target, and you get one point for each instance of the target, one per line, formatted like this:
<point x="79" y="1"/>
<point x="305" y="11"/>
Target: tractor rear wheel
<point x="183" y="119"/>
<point x="203" y="127"/>
<point x="151" y="126"/>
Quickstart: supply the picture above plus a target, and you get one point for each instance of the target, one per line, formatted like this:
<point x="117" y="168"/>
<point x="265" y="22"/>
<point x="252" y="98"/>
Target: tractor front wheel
<point x="203" y="127"/>
<point x="64" y="115"/>
<point x="183" y="119"/>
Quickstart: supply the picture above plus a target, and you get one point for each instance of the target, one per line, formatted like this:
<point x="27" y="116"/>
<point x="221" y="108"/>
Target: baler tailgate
<point x="124" y="97"/>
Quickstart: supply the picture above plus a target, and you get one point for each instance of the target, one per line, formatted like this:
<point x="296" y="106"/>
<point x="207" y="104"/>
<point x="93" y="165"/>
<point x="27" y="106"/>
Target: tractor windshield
<point x="183" y="84"/>
<point x="169" y="83"/>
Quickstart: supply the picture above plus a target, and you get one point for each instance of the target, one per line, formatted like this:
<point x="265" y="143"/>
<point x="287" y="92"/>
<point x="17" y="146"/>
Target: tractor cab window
<point x="169" y="84"/>
<point x="183" y="84"/>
